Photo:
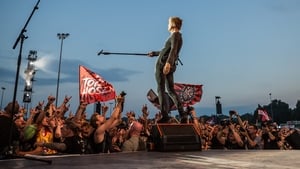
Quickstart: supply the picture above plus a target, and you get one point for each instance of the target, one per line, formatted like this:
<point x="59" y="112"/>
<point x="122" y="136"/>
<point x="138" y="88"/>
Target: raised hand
<point x="120" y="100"/>
<point x="104" y="109"/>
<point x="67" y="99"/>
<point x="145" y="111"/>
<point x="51" y="99"/>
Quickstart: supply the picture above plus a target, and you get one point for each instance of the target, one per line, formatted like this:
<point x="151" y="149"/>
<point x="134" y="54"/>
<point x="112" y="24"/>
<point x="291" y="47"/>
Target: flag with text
<point x="93" y="88"/>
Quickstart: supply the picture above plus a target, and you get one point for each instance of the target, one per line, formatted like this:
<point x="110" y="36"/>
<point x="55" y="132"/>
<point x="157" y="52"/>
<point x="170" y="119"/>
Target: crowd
<point x="55" y="130"/>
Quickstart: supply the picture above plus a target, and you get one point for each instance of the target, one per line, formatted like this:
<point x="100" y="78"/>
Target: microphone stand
<point x="21" y="38"/>
<point x="122" y="53"/>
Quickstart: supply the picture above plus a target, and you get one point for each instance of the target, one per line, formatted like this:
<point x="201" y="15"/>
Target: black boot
<point x="184" y="119"/>
<point x="183" y="116"/>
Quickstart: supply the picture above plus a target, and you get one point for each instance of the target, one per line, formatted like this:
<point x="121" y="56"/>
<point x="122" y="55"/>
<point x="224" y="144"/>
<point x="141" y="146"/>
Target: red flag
<point x="188" y="94"/>
<point x="93" y="88"/>
<point x="264" y="115"/>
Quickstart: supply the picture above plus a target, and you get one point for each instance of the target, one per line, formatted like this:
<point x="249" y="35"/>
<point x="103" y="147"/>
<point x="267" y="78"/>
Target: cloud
<point x="7" y="75"/>
<point x="47" y="68"/>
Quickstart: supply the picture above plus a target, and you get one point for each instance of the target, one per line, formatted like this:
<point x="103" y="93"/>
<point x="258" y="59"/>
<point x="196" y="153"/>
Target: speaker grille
<point x="173" y="137"/>
<point x="181" y="139"/>
<point x="183" y="130"/>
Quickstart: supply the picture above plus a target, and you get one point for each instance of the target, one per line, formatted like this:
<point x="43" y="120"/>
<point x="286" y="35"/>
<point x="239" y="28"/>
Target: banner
<point x="264" y="115"/>
<point x="93" y="88"/>
<point x="188" y="95"/>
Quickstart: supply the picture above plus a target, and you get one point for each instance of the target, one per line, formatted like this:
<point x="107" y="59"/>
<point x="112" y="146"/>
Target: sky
<point x="245" y="51"/>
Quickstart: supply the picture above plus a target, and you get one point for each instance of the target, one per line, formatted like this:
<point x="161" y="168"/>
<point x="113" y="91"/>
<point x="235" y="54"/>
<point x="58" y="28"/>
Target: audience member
<point x="253" y="137"/>
<point x="9" y="132"/>
<point x="44" y="134"/>
<point x="57" y="133"/>
<point x="101" y="125"/>
<point x="292" y="138"/>
<point x="270" y="136"/>
<point x="134" y="143"/>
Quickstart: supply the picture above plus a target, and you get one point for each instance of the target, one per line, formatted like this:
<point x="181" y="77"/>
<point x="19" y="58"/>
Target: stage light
<point x="29" y="75"/>
<point x="27" y="97"/>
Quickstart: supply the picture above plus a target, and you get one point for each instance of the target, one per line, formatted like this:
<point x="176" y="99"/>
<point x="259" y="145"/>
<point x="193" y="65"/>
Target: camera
<point x="123" y="94"/>
<point x="232" y="112"/>
<point x="225" y="122"/>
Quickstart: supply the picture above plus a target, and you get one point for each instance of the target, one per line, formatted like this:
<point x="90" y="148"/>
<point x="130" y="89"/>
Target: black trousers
<point x="166" y="82"/>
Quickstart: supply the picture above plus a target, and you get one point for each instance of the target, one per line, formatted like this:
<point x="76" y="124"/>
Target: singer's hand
<point x="151" y="54"/>
<point x="167" y="68"/>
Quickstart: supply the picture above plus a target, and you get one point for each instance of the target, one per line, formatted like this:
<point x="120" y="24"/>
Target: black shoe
<point x="181" y="112"/>
<point x="184" y="120"/>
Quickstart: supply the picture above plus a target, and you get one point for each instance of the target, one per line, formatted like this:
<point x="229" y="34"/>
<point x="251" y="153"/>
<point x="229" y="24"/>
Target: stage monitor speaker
<point x="176" y="137"/>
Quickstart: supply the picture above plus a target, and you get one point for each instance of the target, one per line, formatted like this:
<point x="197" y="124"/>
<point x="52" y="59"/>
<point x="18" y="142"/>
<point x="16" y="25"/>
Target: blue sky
<point x="241" y="50"/>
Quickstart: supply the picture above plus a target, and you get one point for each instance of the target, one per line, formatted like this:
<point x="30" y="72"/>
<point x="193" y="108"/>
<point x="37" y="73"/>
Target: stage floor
<point x="216" y="159"/>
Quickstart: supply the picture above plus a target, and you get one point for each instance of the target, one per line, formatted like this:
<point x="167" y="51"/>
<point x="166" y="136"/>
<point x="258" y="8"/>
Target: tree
<point x="296" y="111"/>
<point x="281" y="111"/>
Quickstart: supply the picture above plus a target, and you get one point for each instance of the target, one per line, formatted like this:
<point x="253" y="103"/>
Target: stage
<point x="216" y="159"/>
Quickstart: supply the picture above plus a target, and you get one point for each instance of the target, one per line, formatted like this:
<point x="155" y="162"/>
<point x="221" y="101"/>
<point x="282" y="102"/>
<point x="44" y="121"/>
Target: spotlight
<point x="27" y="97"/>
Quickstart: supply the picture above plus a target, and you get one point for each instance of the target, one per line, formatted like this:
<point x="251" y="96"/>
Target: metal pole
<point x="3" y="88"/>
<point x="60" y="36"/>
<point x="110" y="104"/>
<point x="271" y="104"/>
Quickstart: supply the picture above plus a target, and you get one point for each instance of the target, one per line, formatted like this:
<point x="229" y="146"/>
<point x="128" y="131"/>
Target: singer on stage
<point x="166" y="67"/>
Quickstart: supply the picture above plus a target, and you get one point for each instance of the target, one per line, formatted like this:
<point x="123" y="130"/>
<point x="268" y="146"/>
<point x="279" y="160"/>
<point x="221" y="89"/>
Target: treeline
<point x="279" y="111"/>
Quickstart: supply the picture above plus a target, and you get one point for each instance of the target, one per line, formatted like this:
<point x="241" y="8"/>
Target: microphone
<point x="101" y="51"/>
